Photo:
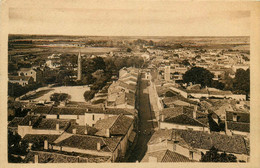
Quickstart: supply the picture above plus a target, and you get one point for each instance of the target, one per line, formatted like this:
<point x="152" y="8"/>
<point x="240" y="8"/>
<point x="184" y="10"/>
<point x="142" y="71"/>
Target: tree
<point x="128" y="50"/>
<point x="213" y="156"/>
<point x="241" y="83"/>
<point x="198" y="75"/>
<point x="58" y="97"/>
<point x="88" y="95"/>
<point x="185" y="62"/>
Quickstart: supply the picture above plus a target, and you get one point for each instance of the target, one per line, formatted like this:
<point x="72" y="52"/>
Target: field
<point x="82" y="49"/>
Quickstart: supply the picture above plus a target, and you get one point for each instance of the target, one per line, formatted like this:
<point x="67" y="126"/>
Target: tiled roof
<point x="64" y="157"/>
<point x="174" y="157"/>
<point x="105" y="123"/>
<point x="242" y="116"/>
<point x="81" y="111"/>
<point x="203" y="140"/>
<point x="28" y="118"/>
<point x="50" y="124"/>
<point x="130" y="98"/>
<point x="121" y="125"/>
<point x="170" y="100"/>
<point x="184" y="120"/>
<point x="42" y="109"/>
<point x="161" y="133"/>
<point x="81" y="129"/>
<point x="117" y="125"/>
<point x="238" y="126"/>
<point x="172" y="112"/>
<point x="127" y="86"/>
<point x="15" y="122"/>
<point x="88" y="142"/>
<point x="166" y="156"/>
<point x="32" y="138"/>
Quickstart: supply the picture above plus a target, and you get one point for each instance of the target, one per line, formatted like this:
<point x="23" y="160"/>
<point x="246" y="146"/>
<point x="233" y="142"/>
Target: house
<point x="21" y="80"/>
<point x="237" y="123"/>
<point x="120" y="125"/>
<point x="82" y="116"/>
<point x="194" y="144"/>
<point x="36" y="74"/>
<point x="186" y="118"/>
<point x="111" y="139"/>
<point x="121" y="100"/>
<point x="34" y="124"/>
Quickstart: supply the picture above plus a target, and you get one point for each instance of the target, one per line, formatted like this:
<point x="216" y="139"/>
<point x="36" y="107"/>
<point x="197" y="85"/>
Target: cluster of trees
<point x="239" y="85"/>
<point x="99" y="43"/>
<point x="16" y="90"/>
<point x="241" y="82"/>
<point x="143" y="42"/>
<point x="213" y="155"/>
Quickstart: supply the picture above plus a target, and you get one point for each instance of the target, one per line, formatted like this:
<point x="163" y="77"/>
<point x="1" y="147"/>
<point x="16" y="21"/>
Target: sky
<point x="130" y="18"/>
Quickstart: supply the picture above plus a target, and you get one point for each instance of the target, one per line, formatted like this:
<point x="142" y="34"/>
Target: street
<point x="146" y="125"/>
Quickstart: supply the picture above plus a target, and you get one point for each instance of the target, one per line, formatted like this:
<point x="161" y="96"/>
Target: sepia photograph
<point x="128" y="82"/>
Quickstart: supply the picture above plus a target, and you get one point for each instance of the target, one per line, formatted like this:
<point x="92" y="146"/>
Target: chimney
<point x="107" y="132"/>
<point x="194" y="114"/>
<point x="30" y="123"/>
<point x="74" y="130"/>
<point x="86" y="131"/>
<point x="30" y="146"/>
<point x="87" y="110"/>
<point x="46" y="145"/>
<point x="36" y="158"/>
<point x="152" y="159"/>
<point x="98" y="146"/>
<point x="234" y="117"/>
<point x="162" y="117"/>
<point x="57" y="126"/>
<point x="104" y="108"/>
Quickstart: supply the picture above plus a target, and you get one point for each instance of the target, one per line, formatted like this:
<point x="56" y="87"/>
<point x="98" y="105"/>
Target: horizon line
<point x="131" y="35"/>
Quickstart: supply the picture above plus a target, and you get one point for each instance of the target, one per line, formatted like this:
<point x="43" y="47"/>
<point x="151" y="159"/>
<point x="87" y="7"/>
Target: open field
<point x="76" y="93"/>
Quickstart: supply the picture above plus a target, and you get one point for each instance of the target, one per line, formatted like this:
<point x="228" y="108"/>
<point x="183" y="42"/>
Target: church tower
<point x="79" y="68"/>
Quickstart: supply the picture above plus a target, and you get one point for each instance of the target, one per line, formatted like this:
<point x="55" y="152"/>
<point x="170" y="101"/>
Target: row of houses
<point x="174" y="145"/>
<point x="122" y="93"/>
<point x="80" y="135"/>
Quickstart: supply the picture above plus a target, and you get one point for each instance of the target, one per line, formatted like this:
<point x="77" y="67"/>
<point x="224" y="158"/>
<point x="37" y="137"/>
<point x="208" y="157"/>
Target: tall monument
<point x="79" y="68"/>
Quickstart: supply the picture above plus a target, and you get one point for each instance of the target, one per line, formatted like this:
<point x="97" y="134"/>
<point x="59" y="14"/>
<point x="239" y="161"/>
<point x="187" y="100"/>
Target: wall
<point x="85" y="151"/>
<point x="164" y="125"/>
<point x="23" y="130"/>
